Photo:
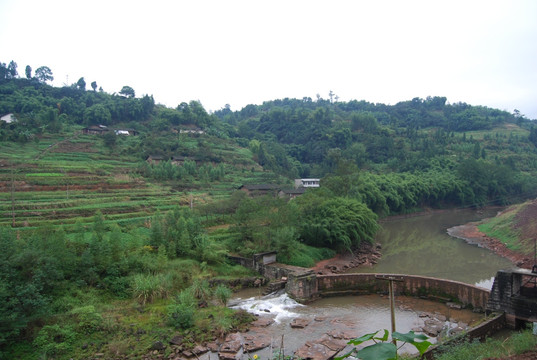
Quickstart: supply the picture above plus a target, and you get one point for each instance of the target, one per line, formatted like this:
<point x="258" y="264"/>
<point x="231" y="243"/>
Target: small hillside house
<point x="191" y="129"/>
<point x="95" y="130"/>
<point x="154" y="159"/>
<point x="291" y="193"/>
<point x="8" y="118"/>
<point x="307" y="183"/>
<point x="126" y="132"/>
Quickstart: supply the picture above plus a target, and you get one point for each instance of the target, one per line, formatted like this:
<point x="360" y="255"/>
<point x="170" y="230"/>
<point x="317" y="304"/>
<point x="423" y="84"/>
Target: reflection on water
<point x="421" y="246"/>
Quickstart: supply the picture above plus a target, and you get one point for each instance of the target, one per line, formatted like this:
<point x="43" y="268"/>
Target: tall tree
<point x="94" y="85"/>
<point x="127" y="91"/>
<point x="44" y="74"/>
<point x="28" y="72"/>
<point x="81" y="84"/>
<point x="12" y="70"/>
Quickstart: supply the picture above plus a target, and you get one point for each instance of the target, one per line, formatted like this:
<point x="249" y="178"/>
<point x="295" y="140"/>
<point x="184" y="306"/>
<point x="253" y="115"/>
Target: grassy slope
<point x="515" y="227"/>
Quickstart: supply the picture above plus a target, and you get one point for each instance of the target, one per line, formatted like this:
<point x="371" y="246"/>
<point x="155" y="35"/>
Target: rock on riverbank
<point x="367" y="255"/>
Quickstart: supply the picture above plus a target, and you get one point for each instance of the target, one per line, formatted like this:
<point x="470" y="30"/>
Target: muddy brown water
<point x="416" y="245"/>
<point x="421" y="246"/>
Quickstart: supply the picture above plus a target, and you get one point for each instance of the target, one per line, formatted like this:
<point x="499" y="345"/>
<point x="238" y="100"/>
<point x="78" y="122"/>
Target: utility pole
<point x="12" y="198"/>
<point x="534" y="267"/>
<point x="391" y="279"/>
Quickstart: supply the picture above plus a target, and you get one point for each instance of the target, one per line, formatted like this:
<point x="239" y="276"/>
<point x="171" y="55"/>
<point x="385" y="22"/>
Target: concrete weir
<point x="411" y="285"/>
<point x="304" y="285"/>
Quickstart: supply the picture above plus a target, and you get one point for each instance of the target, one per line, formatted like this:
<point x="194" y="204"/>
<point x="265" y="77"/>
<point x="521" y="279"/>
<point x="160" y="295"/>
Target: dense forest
<point x="97" y="237"/>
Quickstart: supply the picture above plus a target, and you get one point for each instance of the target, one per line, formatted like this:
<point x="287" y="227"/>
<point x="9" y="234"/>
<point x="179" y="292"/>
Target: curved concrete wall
<point x="438" y="289"/>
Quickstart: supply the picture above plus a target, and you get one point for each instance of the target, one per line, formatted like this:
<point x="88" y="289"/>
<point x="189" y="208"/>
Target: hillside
<point x="67" y="177"/>
<point x="105" y="234"/>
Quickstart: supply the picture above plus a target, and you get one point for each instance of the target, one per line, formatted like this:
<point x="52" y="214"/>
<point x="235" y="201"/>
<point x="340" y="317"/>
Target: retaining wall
<point x="481" y="332"/>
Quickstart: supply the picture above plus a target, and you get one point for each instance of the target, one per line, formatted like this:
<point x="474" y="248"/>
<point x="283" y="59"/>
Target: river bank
<point x="522" y="221"/>
<point x="366" y="255"/>
<point x="471" y="234"/>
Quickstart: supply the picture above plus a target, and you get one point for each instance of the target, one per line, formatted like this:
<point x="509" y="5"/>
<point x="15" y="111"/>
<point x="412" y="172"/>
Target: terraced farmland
<point x="62" y="180"/>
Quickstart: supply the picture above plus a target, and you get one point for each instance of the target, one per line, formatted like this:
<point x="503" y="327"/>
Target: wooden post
<point x="392" y="305"/>
<point x="391" y="279"/>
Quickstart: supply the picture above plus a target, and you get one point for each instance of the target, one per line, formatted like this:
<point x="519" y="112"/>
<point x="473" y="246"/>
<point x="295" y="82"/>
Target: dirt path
<point x="42" y="153"/>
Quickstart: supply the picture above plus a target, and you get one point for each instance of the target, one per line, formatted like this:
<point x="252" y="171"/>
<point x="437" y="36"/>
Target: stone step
<point x="274" y="286"/>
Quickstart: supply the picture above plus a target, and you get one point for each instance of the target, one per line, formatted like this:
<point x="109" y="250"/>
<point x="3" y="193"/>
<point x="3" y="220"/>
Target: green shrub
<point x="89" y="320"/>
<point x="222" y="293"/>
<point x="180" y="316"/>
<point x="119" y="286"/>
<point x="187" y="298"/>
<point x="305" y="256"/>
<point x="201" y="290"/>
<point x="491" y="348"/>
<point x="147" y="288"/>
<point x="222" y="325"/>
<point x="523" y="341"/>
<point x="55" y="339"/>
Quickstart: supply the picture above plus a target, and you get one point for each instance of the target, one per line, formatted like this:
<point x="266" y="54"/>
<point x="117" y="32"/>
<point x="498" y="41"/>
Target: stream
<point x="418" y="246"/>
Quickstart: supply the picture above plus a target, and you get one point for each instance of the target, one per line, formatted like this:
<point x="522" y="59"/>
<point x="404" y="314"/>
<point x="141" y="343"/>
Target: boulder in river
<point x="433" y="327"/>
<point x="231" y="347"/>
<point x="262" y="322"/>
<point x="256" y="342"/>
<point x="299" y="323"/>
<point x="322" y="349"/>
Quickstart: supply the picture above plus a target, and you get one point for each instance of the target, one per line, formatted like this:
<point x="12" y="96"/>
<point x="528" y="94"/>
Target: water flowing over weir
<point x="278" y="304"/>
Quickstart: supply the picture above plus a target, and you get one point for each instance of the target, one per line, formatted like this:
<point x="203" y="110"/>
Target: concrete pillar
<point x="302" y="287"/>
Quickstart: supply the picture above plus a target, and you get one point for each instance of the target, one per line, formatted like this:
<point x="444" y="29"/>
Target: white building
<point x="8" y="118"/>
<point x="308" y="183"/>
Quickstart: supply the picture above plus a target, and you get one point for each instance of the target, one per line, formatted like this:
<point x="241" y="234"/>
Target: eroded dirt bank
<point x="471" y="234"/>
<point x="524" y="223"/>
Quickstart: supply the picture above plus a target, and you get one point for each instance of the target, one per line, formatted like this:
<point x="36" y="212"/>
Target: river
<point x="416" y="245"/>
<point x="420" y="245"/>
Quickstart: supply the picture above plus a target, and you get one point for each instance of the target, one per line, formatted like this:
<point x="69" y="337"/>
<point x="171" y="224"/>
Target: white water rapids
<point x="279" y="305"/>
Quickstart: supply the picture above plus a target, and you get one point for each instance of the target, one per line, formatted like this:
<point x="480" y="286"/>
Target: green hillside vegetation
<point x="123" y="239"/>
<point x="515" y="227"/>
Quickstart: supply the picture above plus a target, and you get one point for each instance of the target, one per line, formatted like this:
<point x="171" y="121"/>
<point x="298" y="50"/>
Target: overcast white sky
<point x="241" y="52"/>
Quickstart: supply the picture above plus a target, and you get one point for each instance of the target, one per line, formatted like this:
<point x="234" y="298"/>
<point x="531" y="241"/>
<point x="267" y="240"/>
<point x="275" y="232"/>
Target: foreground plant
<point x="384" y="350"/>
